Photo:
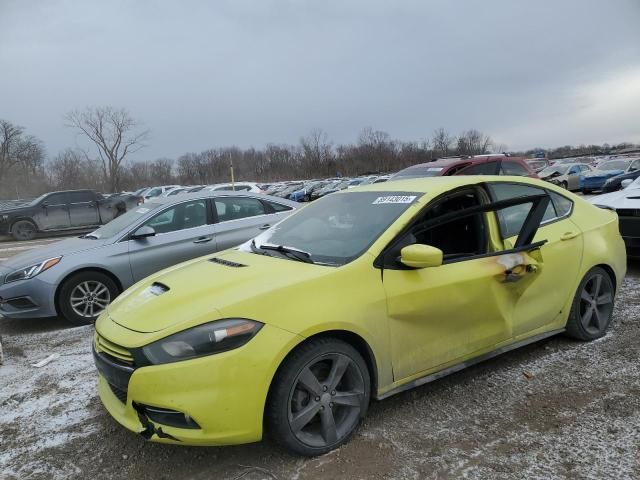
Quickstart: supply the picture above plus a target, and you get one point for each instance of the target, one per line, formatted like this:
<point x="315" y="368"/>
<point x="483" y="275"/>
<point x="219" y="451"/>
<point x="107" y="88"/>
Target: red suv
<point x="476" y="165"/>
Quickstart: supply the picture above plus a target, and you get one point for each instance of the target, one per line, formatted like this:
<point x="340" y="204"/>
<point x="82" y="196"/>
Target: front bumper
<point x="33" y="298"/>
<point x="224" y="394"/>
<point x="4" y="228"/>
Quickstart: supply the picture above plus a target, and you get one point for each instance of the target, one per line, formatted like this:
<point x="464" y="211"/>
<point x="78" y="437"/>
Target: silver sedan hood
<point x="69" y="246"/>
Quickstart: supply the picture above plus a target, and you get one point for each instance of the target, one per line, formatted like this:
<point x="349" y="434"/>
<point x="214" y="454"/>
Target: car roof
<point x="217" y="194"/>
<point x="442" y="184"/>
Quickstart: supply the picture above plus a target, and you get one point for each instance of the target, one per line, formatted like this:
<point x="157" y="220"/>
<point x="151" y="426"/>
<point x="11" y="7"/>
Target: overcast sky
<point x="203" y="74"/>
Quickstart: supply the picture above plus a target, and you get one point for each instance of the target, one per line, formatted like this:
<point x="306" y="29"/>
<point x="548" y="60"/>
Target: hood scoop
<point x="226" y="263"/>
<point x="158" y="288"/>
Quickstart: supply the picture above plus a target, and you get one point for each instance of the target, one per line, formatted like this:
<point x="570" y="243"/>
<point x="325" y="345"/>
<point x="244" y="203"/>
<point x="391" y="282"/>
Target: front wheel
<point x="24" y="230"/>
<point x="592" y="306"/>
<point x="85" y="295"/>
<point x="318" y="397"/>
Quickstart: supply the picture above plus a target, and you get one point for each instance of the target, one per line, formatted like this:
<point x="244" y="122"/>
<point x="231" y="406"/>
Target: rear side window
<point x="561" y="203"/>
<point x="513" y="168"/>
<point x="234" y="208"/>
<point x="487" y="168"/>
<point x="511" y="219"/>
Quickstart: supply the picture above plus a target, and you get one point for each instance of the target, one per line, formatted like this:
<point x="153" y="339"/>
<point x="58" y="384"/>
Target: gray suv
<point x="77" y="278"/>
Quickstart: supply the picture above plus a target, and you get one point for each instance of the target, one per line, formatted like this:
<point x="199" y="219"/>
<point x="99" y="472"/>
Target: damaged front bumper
<point x="213" y="400"/>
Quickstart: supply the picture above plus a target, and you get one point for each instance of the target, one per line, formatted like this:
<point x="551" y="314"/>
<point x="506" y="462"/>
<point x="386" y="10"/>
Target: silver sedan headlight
<point x="32" y="270"/>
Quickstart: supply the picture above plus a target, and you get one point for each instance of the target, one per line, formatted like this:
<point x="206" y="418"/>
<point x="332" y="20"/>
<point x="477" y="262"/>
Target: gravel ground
<point x="556" y="409"/>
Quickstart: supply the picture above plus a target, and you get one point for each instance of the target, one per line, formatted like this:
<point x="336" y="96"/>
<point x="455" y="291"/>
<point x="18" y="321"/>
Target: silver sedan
<point x="77" y="278"/>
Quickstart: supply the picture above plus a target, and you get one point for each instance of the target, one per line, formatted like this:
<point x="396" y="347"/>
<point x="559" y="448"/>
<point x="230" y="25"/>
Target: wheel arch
<point x="349" y="337"/>
<point x="610" y="271"/>
<point x="104" y="271"/>
<point x="22" y="219"/>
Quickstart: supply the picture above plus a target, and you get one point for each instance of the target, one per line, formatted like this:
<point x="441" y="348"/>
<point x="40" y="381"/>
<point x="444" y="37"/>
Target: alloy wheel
<point x="326" y="400"/>
<point x="90" y="298"/>
<point x="596" y="304"/>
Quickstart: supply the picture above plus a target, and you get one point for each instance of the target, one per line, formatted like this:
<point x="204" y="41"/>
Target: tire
<point x="586" y="191"/>
<point x="93" y="290"/>
<point x="592" y="306"/>
<point x="24" y="230"/>
<point x="304" y="401"/>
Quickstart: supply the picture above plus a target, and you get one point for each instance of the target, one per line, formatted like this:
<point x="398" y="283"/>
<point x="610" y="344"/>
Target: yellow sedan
<point x="360" y="295"/>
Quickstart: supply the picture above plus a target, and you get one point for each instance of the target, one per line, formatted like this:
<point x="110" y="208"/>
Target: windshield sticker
<point x="394" y="199"/>
<point x="142" y="210"/>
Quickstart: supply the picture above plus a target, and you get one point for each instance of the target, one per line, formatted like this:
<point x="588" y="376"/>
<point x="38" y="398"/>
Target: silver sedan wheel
<point x="90" y="298"/>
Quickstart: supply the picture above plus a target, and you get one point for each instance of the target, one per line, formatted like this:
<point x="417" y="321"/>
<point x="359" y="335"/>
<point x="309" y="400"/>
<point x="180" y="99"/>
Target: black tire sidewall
<point x="13" y="230"/>
<point x="277" y="422"/>
<point x="575" y="328"/>
<point x="67" y="287"/>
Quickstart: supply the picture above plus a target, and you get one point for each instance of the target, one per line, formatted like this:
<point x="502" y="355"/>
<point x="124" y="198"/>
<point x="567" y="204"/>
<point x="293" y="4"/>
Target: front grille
<point x="629" y="226"/>
<point x="115" y="351"/>
<point x="628" y="212"/>
<point x="120" y="394"/>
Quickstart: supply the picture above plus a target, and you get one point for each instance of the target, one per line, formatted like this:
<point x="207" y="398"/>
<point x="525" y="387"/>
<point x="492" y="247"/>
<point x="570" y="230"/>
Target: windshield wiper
<point x="292" y="253"/>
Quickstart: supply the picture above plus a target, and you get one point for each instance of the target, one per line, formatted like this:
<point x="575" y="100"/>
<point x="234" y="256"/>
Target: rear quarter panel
<point x="603" y="244"/>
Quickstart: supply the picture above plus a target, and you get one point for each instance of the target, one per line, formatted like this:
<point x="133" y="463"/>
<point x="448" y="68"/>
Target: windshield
<point x="339" y="228"/>
<point x="561" y="169"/>
<point x="419" y="171"/>
<point x="613" y="165"/>
<point x="124" y="221"/>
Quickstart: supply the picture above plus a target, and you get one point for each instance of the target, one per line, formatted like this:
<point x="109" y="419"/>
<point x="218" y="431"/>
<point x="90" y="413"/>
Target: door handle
<point x="203" y="240"/>
<point x="569" y="235"/>
<point x="266" y="226"/>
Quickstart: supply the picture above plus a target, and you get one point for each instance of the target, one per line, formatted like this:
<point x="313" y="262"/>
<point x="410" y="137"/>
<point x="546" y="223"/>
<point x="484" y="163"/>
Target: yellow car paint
<point x="413" y="322"/>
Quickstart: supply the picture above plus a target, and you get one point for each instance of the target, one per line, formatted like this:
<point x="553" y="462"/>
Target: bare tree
<point x="442" y="141"/>
<point x="10" y="137"/>
<point x="473" y="142"/>
<point x="317" y="149"/>
<point x="114" y="133"/>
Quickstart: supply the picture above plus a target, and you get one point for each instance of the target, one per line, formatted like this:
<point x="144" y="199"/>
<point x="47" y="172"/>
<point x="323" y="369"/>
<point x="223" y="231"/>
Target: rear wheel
<point x="318" y="397"/>
<point x="85" y="295"/>
<point x="592" y="306"/>
<point x="24" y="230"/>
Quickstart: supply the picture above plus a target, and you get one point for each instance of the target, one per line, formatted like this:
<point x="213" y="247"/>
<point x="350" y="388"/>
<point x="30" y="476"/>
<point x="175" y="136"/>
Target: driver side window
<point x="180" y="217"/>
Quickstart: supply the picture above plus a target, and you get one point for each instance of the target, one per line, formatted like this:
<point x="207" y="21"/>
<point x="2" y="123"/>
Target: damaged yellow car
<point x="360" y="295"/>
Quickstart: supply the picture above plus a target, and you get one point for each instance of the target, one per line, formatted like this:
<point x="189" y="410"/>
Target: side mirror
<point x="143" y="232"/>
<point x="626" y="182"/>
<point x="421" y="256"/>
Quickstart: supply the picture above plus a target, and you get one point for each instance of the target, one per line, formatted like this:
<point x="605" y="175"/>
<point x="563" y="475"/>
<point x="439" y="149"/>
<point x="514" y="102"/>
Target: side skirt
<point x="461" y="366"/>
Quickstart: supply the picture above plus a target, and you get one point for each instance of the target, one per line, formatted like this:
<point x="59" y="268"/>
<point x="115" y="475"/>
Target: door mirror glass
<point x="143" y="232"/>
<point x="421" y="256"/>
<point x="626" y="182"/>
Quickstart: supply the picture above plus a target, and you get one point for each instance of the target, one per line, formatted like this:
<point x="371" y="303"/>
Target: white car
<point x="236" y="186"/>
<point x="626" y="203"/>
<point x="154" y="192"/>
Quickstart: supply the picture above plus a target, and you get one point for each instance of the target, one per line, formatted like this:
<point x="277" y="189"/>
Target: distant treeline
<point x="26" y="171"/>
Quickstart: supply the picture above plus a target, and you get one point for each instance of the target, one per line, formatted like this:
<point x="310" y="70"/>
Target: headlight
<point x="207" y="339"/>
<point x="32" y="270"/>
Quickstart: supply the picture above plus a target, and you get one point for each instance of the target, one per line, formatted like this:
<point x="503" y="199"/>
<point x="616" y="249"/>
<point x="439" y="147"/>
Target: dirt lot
<point x="557" y="409"/>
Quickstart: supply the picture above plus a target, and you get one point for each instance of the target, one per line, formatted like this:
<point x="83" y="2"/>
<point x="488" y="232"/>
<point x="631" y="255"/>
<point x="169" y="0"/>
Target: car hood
<point x="628" y="198"/>
<point x="64" y="247"/>
<point x="234" y="284"/>
<point x="603" y="173"/>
